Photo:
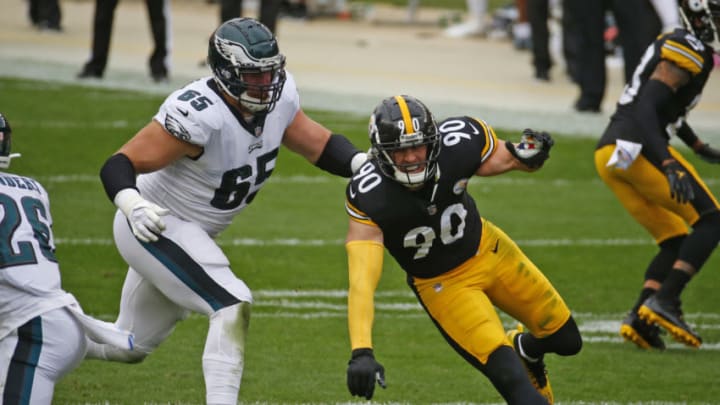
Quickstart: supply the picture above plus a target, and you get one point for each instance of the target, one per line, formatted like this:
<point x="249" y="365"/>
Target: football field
<point x="288" y="247"/>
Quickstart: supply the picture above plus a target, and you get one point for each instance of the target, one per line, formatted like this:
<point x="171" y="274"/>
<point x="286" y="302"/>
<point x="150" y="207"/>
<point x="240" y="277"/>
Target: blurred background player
<point x="652" y="180"/>
<point x="43" y="331"/>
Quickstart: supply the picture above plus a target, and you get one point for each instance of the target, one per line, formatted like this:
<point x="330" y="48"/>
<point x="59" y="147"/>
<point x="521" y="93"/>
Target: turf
<point x="288" y="247"/>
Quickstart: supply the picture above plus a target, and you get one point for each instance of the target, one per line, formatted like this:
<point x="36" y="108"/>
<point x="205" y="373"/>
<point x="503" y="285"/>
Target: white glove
<point x="144" y="216"/>
<point x="358" y="160"/>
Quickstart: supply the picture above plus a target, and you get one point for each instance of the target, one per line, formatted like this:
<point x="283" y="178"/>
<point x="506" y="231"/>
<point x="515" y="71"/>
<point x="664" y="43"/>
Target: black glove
<point x="708" y="153"/>
<point x="362" y="372"/>
<point x="533" y="149"/>
<point x="681" y="189"/>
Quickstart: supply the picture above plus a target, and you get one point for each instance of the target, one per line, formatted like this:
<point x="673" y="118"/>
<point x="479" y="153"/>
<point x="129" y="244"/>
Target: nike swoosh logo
<point x="183" y="112"/>
<point x="352" y="193"/>
<point x="475" y="130"/>
<point x="497" y="243"/>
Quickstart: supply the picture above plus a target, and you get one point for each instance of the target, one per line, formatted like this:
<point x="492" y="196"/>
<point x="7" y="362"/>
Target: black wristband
<point x="362" y="352"/>
<point x="117" y="174"/>
<point x="687" y="135"/>
<point x="337" y="155"/>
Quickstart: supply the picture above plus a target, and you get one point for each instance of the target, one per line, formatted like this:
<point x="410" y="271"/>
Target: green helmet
<point x="243" y="46"/>
<point x="5" y="143"/>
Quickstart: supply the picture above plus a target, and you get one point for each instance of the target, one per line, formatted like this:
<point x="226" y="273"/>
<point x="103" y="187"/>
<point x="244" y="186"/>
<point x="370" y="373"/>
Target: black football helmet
<point x="401" y="122"/>
<point x="5" y="141"/>
<point x="702" y="18"/>
<point x="245" y="46"/>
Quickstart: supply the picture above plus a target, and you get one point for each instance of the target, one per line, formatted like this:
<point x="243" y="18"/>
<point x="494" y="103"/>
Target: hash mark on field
<point x="599" y="328"/>
<point x="298" y="242"/>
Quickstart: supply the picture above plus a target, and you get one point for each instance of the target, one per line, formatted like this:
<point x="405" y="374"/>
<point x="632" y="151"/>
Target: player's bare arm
<point x="671" y="74"/>
<point x="153" y="148"/>
<point x="306" y="137"/>
<point x="499" y="162"/>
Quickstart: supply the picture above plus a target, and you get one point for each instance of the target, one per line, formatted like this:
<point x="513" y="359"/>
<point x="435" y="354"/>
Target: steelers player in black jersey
<point x="411" y="198"/>
<point x="652" y="180"/>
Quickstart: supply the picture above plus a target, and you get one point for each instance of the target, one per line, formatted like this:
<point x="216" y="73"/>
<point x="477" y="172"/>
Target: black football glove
<point x="708" y="153"/>
<point x="533" y="149"/>
<point x="362" y="372"/>
<point x="681" y="189"/>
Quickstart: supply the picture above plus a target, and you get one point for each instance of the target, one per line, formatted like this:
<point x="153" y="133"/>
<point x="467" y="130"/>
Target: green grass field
<point x="288" y="247"/>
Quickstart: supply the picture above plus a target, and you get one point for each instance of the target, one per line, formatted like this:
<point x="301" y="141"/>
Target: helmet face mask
<point x="399" y="123"/>
<point x="5" y="143"/>
<point x="702" y="18"/>
<point x="247" y="64"/>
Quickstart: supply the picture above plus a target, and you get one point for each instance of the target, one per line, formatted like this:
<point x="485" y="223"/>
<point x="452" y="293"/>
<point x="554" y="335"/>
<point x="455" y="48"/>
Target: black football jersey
<point x="436" y="228"/>
<point x="684" y="50"/>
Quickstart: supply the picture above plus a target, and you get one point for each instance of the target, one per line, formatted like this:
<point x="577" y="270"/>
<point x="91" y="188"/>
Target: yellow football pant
<point x="460" y="302"/>
<point x="644" y="191"/>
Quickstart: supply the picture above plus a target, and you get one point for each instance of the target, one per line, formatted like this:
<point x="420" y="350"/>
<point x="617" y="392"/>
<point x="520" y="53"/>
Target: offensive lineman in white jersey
<point x="42" y="328"/>
<point x="201" y="160"/>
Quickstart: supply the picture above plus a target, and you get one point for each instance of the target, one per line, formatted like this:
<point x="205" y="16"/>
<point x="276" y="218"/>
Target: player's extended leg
<point x="467" y="320"/>
<point x="191" y="271"/>
<point x="37" y="355"/>
<point x="523" y="292"/>
<point x="643" y="191"/>
<point x="147" y="313"/>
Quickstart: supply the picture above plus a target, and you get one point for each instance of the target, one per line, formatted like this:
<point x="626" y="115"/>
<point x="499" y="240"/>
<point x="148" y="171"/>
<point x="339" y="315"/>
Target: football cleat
<point x="669" y="316"/>
<point x="644" y="335"/>
<point x="536" y="370"/>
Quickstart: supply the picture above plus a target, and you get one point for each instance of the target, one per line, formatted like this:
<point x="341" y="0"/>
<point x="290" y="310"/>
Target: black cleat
<point x="643" y="334"/>
<point x="669" y="316"/>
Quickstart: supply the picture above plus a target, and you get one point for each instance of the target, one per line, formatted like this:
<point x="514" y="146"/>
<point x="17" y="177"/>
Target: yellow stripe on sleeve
<point x="490" y="139"/>
<point x="357" y="215"/>
<point x="682" y="56"/>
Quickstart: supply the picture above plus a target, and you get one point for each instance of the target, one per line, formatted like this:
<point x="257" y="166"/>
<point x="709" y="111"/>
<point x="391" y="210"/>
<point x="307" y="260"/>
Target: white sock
<point x="223" y="358"/>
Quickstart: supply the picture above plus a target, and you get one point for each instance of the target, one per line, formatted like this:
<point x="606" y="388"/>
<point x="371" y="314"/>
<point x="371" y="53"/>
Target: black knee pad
<point x="566" y="341"/>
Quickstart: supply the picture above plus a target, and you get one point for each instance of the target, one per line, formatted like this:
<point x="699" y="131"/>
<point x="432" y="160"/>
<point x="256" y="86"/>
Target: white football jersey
<point x="29" y="272"/>
<point x="237" y="160"/>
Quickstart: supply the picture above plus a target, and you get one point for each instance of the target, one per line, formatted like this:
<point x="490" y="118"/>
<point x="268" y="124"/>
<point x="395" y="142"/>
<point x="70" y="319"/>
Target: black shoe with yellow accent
<point x="643" y="334"/>
<point x="669" y="316"/>
<point x="536" y="370"/>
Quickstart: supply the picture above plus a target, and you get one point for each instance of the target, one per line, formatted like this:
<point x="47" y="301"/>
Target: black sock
<point x="644" y="294"/>
<point x="673" y="285"/>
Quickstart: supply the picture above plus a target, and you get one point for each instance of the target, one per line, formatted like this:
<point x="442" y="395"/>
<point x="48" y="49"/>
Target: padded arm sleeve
<point x="337" y="156"/>
<point x="117" y="174"/>
<point x="365" y="261"/>
<point x="653" y="97"/>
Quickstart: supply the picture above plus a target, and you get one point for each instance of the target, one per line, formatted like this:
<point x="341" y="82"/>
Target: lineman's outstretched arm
<point x="333" y="153"/>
